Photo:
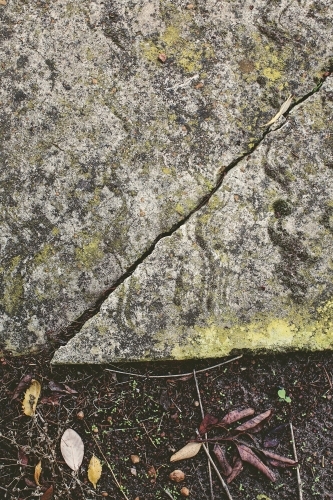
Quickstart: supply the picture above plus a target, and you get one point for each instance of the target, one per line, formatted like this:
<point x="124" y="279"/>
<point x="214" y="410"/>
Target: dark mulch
<point x="152" y="418"/>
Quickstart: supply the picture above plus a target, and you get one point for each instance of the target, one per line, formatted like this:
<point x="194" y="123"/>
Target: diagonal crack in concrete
<point x="61" y="337"/>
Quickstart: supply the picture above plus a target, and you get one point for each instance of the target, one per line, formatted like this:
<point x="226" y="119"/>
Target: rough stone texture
<point x="104" y="147"/>
<point x="252" y="269"/>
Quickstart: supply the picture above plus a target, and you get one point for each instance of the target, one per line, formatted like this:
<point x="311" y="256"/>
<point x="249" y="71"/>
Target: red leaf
<point x="237" y="468"/>
<point x="222" y="460"/>
<point x="48" y="494"/>
<point x="278" y="460"/>
<point x="247" y="455"/>
<point x="234" y="416"/>
<point x="256" y="423"/>
<point x="22" y="386"/>
<point x="208" y="422"/>
<point x="23" y="459"/>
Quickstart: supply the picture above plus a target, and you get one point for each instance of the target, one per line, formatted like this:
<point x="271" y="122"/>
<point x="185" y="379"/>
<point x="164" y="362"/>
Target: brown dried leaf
<point x="30" y="483"/>
<point x="237" y="468"/>
<point x="48" y="494"/>
<point x="51" y="400"/>
<point x="22" y="386"/>
<point x="38" y="471"/>
<point x="256" y="423"/>
<point x="23" y="459"/>
<point x="189" y="451"/>
<point x="222" y="460"/>
<point x="208" y="422"/>
<point x="31" y="398"/>
<point x="278" y="460"/>
<point x="234" y="416"/>
<point x="152" y="472"/>
<point x="247" y="455"/>
<point x="273" y="436"/>
<point x="58" y="387"/>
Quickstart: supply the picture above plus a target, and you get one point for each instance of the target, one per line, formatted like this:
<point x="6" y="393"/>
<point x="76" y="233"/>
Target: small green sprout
<point x="283" y="397"/>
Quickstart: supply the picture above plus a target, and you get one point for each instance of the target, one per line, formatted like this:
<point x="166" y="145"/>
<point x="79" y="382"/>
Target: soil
<point x="120" y="415"/>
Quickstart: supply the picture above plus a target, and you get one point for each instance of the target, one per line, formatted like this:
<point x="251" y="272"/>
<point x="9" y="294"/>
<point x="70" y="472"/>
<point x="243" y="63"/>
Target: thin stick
<point x="109" y="467"/>
<point x="226" y="489"/>
<point x="206" y="437"/>
<point x="299" y="481"/>
<point x="173" y="376"/>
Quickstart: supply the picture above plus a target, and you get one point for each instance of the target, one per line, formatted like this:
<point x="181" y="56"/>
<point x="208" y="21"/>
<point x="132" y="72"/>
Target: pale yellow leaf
<point x="189" y="451"/>
<point x="94" y="470"/>
<point x="38" y="470"/>
<point x="285" y="106"/>
<point x="72" y="449"/>
<point x="30" y="398"/>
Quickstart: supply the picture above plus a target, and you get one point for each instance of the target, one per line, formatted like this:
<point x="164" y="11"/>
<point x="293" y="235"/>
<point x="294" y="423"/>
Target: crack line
<point x="61" y="337"/>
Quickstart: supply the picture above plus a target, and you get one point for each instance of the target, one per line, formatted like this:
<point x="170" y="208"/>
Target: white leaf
<point x="72" y="449"/>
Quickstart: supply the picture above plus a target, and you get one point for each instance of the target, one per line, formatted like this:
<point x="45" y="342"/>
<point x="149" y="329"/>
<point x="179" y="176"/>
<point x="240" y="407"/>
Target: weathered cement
<point x="104" y="147"/>
<point x="251" y="270"/>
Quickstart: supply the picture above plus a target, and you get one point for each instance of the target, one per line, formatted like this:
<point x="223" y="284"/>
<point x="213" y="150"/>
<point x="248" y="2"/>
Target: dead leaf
<point x="30" y="483"/>
<point x="256" y="423"/>
<point x="58" y="387"/>
<point x="273" y="436"/>
<point x="247" y="455"/>
<point x="285" y="106"/>
<point x="23" y="459"/>
<point x="278" y="460"/>
<point x="22" y="386"/>
<point x="208" y="422"/>
<point x="234" y="416"/>
<point x="222" y="460"/>
<point x="31" y="398"/>
<point x="48" y="494"/>
<point x="94" y="470"/>
<point x="38" y="471"/>
<point x="51" y="400"/>
<point x="152" y="473"/>
<point x="72" y="449"/>
<point x="189" y="451"/>
<point x="237" y="468"/>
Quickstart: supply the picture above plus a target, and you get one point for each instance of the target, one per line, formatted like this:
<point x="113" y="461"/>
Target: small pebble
<point x="177" y="476"/>
<point x="105" y="494"/>
<point x="196" y="403"/>
<point x="135" y="459"/>
<point x="185" y="492"/>
<point x="80" y="415"/>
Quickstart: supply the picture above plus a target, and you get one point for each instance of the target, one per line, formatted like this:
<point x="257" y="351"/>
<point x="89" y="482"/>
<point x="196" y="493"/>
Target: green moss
<point x="13" y="294"/>
<point x="44" y="255"/>
<point x="90" y="252"/>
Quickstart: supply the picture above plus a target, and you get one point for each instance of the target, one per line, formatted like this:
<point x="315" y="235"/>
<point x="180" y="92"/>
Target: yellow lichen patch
<point x="298" y="330"/>
<point x="272" y="74"/>
<point x="44" y="255"/>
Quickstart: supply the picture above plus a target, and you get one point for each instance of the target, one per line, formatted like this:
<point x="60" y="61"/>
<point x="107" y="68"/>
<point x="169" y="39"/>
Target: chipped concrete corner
<point x="117" y="120"/>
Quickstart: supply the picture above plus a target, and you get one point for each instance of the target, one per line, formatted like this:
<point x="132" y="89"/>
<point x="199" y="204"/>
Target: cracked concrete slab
<point x="252" y="269"/>
<point x="116" y="121"/>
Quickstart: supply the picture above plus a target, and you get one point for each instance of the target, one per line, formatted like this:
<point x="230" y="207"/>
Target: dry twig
<point x="299" y="481"/>
<point x="205" y="446"/>
<point x="173" y="376"/>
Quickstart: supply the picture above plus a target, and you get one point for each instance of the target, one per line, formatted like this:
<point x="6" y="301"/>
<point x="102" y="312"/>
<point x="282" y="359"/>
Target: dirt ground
<point x="119" y="415"/>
